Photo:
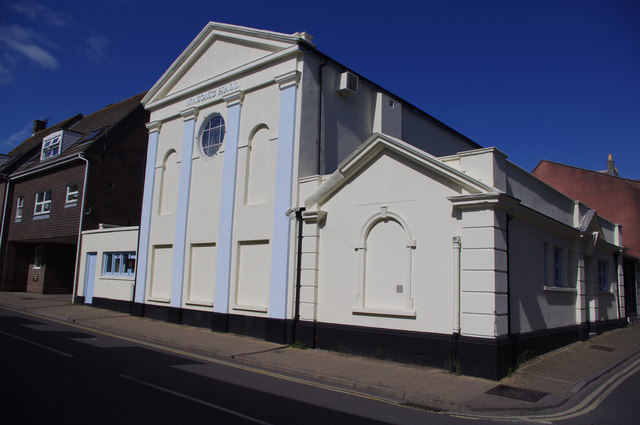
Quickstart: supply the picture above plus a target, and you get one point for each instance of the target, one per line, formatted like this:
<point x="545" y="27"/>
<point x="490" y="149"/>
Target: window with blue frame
<point x="119" y="264"/>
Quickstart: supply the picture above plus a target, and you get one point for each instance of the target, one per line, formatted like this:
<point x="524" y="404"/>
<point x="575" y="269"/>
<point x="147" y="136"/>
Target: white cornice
<point x="153" y="126"/>
<point x="234" y="98"/>
<point x="189" y="113"/>
<point x="288" y="79"/>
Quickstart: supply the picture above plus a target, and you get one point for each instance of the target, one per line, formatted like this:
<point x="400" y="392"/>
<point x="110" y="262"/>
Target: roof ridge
<point x="111" y="106"/>
<point x="600" y="173"/>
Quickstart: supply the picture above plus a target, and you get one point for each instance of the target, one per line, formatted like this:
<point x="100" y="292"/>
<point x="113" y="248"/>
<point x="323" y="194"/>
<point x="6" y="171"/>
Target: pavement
<point x="563" y="374"/>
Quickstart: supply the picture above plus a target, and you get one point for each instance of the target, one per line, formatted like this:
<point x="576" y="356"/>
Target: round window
<point x="212" y="135"/>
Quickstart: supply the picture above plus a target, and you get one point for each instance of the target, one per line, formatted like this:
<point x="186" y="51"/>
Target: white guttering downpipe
<point x="4" y="212"/>
<point x="328" y="185"/>
<point x="4" y="209"/>
<point x="84" y="193"/>
<point x="456" y="284"/>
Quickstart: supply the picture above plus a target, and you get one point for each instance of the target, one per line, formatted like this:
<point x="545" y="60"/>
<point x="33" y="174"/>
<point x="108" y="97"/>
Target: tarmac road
<point x="62" y="373"/>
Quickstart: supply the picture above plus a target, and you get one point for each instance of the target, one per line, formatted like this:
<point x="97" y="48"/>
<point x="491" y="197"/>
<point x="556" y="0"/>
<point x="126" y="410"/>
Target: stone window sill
<point x="384" y="312"/>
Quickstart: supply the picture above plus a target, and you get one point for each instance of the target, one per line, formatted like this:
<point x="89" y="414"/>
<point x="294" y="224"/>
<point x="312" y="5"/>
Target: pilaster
<point x="483" y="286"/>
<point x="145" y="216"/>
<point x="309" y="264"/>
<point x="581" y="297"/>
<point x="283" y="194"/>
<point x="227" y="201"/>
<point x="184" y="186"/>
<point x="620" y="286"/>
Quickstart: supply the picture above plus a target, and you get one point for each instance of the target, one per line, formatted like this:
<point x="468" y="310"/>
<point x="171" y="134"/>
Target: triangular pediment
<point x="218" y="51"/>
<point x="590" y="223"/>
<point x="371" y="150"/>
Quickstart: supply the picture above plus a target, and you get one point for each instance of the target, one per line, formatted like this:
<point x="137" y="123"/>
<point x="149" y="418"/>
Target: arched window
<point x="212" y="135"/>
<point x="384" y="249"/>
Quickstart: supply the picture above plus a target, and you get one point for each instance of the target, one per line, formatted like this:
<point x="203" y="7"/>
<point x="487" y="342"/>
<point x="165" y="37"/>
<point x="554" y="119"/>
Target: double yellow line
<point x="591" y="402"/>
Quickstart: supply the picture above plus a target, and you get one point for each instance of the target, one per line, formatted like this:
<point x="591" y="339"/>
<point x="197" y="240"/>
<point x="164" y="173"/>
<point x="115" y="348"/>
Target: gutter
<point x="84" y="193"/>
<point x="52" y="164"/>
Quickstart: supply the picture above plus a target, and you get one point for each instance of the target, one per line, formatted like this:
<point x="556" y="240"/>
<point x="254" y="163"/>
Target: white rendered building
<point x="289" y="198"/>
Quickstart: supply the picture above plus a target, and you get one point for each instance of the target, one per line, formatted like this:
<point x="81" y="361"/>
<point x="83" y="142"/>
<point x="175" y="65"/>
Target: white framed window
<point x="38" y="257"/>
<point x="51" y="147"/>
<point x="212" y="135"/>
<point x="603" y="276"/>
<point x="19" y="207"/>
<point x="72" y="193"/>
<point x="558" y="265"/>
<point x="119" y="264"/>
<point x="43" y="202"/>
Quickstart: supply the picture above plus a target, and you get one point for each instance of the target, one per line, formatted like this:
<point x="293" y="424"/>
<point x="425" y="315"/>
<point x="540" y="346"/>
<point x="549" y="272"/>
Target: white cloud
<point x="40" y="12"/>
<point x="5" y="75"/>
<point x="97" y="49"/>
<point x="24" y="41"/>
<point x="16" y="138"/>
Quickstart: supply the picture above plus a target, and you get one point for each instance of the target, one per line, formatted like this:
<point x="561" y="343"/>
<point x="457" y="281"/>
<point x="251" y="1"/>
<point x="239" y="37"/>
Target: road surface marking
<point x="277" y="375"/>
<point x="62" y="353"/>
<point x="588" y="404"/>
<point x="196" y="400"/>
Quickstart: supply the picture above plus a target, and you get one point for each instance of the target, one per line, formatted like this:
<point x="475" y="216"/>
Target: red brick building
<point x="78" y="174"/>
<point x="613" y="197"/>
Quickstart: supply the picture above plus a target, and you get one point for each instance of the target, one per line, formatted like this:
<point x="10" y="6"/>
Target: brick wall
<point x="63" y="220"/>
<point x="614" y="198"/>
<point x="116" y="175"/>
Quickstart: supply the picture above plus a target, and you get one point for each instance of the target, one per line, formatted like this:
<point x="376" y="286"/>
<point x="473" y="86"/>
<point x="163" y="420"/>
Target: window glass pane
<point x="117" y="263"/>
<point x="212" y="135"/>
<point x="557" y="266"/>
<point x="107" y="263"/>
<point x="131" y="263"/>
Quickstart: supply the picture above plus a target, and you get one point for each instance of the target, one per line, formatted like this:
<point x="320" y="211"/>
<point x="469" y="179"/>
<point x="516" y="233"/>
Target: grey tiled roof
<point x="91" y="127"/>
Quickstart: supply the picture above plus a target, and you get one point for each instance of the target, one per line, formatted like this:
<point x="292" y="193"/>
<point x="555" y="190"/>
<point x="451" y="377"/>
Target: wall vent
<point x="348" y="83"/>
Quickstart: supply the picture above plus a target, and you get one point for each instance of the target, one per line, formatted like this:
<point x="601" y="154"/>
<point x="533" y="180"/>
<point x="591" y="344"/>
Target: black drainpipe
<point x="320" y="114"/>
<point x="296" y="314"/>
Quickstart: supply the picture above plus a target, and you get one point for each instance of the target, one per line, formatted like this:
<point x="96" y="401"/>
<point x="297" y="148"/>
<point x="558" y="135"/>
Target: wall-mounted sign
<point x="214" y="93"/>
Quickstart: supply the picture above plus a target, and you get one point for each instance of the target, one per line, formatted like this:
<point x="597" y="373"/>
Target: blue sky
<point x="556" y="80"/>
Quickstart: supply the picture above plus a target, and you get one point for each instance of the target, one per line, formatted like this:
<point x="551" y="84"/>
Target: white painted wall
<point x="532" y="306"/>
<point x="118" y="239"/>
<point x="419" y="197"/>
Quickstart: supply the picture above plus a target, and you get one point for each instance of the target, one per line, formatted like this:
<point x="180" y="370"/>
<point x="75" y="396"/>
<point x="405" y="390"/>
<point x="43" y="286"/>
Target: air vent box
<point x="348" y="83"/>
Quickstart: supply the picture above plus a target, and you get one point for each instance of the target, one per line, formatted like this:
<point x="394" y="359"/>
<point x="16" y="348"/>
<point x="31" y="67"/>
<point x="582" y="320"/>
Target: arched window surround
<point x="360" y="246"/>
<point x="162" y="167"/>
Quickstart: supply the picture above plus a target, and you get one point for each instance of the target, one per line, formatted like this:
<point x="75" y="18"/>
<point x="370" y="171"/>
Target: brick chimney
<point x="38" y="125"/>
<point x="611" y="168"/>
